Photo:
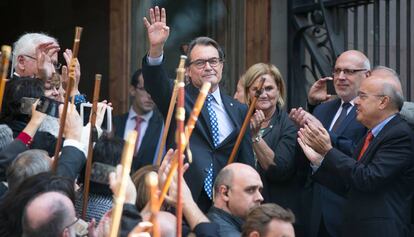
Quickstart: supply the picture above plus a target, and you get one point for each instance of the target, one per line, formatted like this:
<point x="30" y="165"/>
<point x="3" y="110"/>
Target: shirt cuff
<point x="77" y="144"/>
<point x="155" y="61"/>
<point x="25" y="138"/>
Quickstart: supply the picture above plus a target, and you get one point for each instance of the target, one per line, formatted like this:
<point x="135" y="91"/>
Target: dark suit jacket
<point x="204" y="153"/>
<point x="379" y="186"/>
<point x="71" y="160"/>
<point x="148" y="147"/>
<point x="326" y="204"/>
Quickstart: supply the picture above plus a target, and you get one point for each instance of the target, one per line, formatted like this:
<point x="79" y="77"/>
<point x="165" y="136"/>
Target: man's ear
<point x="65" y="233"/>
<point x="20" y="62"/>
<point x="384" y="102"/>
<point x="224" y="192"/>
<point x="254" y="234"/>
<point x="132" y="90"/>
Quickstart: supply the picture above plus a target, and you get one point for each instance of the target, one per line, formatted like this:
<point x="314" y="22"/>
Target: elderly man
<point x="378" y="179"/>
<point x="338" y="116"/>
<point x="219" y="123"/>
<point x="36" y="55"/>
<point x="236" y="190"/>
<point x="51" y="214"/>
<point x="269" y="220"/>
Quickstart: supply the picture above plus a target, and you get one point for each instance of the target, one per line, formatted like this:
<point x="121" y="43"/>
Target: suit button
<point x="206" y="170"/>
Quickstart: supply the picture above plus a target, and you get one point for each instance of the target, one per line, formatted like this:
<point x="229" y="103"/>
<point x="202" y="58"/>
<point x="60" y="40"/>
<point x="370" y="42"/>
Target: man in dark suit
<point x="378" y="180"/>
<point x="338" y="116"/>
<point x="144" y="117"/>
<point x="221" y="117"/>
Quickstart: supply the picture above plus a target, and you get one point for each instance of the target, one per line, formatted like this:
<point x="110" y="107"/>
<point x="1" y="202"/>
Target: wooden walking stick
<point x="246" y="121"/>
<point x="168" y="121"/>
<point x="5" y="57"/>
<point x="152" y="185"/>
<point x="69" y="87"/>
<point x="92" y="131"/>
<point x="180" y="139"/>
<point x="188" y="130"/>
<point x="119" y="197"/>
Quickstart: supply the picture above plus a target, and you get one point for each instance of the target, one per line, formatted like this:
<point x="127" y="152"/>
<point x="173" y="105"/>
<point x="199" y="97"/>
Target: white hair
<point x="27" y="44"/>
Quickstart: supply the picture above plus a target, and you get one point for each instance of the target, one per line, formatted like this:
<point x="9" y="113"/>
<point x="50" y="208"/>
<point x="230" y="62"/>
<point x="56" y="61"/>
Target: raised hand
<point x="73" y="126"/>
<point x="157" y="31"/>
<point x="256" y="122"/>
<point x="317" y="93"/>
<point x="65" y="72"/>
<point x="44" y="53"/>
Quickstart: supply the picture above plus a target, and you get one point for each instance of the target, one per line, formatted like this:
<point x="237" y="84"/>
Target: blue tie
<point x="208" y="182"/>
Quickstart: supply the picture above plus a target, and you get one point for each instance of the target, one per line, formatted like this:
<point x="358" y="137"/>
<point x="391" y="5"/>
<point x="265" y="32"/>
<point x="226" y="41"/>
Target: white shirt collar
<point x="217" y="97"/>
<point x="132" y="114"/>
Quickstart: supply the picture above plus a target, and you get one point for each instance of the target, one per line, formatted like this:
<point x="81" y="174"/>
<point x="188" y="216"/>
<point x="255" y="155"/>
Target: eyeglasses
<point x="347" y="71"/>
<point x="363" y="95"/>
<point x="201" y="63"/>
<point x="57" y="65"/>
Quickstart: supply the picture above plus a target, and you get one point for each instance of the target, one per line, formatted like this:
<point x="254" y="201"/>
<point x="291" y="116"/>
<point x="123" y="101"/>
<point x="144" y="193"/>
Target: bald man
<point x="407" y="111"/>
<point x="237" y="189"/>
<point x="378" y="180"/>
<point x="49" y="214"/>
<point x="338" y="116"/>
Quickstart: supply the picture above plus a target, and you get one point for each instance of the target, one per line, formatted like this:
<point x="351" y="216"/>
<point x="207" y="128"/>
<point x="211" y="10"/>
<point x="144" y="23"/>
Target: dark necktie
<point x="138" y="121"/>
<point x="341" y="116"/>
<point x="368" y="139"/>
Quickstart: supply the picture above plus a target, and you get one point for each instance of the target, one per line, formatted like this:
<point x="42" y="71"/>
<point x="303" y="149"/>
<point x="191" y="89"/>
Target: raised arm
<point x="157" y="31"/>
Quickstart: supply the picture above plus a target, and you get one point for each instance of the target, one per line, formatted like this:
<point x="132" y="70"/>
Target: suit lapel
<point x="203" y="123"/>
<point x="330" y="112"/>
<point x="350" y="117"/>
<point x="232" y="112"/>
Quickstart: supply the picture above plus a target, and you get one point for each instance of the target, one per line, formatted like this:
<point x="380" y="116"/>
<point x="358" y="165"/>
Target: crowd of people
<point x="342" y="166"/>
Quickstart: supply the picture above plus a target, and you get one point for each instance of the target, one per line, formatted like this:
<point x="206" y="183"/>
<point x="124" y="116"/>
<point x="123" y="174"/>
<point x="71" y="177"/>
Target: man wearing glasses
<point x="36" y="55"/>
<point x="221" y="118"/>
<point x="338" y="116"/>
<point x="51" y="214"/>
<point x="377" y="180"/>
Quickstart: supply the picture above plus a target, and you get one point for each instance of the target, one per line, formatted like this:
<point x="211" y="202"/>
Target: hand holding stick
<point x="189" y="129"/>
<point x="96" y="91"/>
<point x="72" y="78"/>
<point x="5" y="57"/>
<point x="246" y="121"/>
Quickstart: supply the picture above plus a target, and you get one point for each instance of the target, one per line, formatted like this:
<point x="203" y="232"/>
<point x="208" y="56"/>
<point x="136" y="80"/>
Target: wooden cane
<point x="180" y="139"/>
<point x="168" y="120"/>
<point x="69" y="87"/>
<point x="119" y="197"/>
<point x="246" y="121"/>
<point x="62" y="124"/>
<point x="88" y="168"/>
<point x="152" y="185"/>
<point x="5" y="58"/>
<point x="189" y="129"/>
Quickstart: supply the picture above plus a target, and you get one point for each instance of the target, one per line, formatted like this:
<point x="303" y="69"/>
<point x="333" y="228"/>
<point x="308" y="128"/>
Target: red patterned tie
<point x="368" y="139"/>
<point x="138" y="121"/>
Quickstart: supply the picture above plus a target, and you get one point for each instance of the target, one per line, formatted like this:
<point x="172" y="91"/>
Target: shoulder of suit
<point x="327" y="104"/>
